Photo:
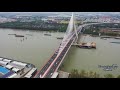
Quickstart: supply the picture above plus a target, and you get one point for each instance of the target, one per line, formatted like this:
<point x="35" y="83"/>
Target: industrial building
<point x="10" y="68"/>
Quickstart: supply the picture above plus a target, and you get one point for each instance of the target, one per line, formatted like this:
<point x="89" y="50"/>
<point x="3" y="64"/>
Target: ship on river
<point x="47" y="34"/>
<point x="86" y="45"/>
<point x="16" y="35"/>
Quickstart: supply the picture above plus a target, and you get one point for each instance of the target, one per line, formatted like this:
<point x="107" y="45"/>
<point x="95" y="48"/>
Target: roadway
<point x="58" y="60"/>
<point x="45" y="67"/>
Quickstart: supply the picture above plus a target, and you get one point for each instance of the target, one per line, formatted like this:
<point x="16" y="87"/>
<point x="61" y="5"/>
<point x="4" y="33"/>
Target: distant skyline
<point x="58" y="13"/>
<point x="65" y="12"/>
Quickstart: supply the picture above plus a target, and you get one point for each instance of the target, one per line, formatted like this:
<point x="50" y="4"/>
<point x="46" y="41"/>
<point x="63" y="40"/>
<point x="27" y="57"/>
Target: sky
<point x="65" y="13"/>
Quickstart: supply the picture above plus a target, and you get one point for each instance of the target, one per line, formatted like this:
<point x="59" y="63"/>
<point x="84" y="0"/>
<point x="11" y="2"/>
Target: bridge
<point x="57" y="58"/>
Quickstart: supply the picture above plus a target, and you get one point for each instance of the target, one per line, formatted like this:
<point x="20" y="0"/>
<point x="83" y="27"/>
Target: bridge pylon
<point x="75" y="28"/>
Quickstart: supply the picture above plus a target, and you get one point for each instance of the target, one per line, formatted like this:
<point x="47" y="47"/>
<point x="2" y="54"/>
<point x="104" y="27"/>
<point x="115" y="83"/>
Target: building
<point x="110" y="30"/>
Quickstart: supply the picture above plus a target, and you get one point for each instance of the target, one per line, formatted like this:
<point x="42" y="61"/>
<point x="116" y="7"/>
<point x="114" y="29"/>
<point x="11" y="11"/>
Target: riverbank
<point x="33" y="29"/>
<point x="35" y="25"/>
<point x="89" y="74"/>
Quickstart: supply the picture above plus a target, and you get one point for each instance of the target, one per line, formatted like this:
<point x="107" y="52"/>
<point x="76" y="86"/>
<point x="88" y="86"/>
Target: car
<point x="51" y="74"/>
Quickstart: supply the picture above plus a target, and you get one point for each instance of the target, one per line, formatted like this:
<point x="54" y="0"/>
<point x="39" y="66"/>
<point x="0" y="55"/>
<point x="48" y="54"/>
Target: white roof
<point x="13" y="75"/>
<point x="27" y="76"/>
<point x="8" y="66"/>
<point x="19" y="63"/>
<point x="16" y="66"/>
<point x="31" y="71"/>
<point x="15" y="69"/>
<point x="6" y="60"/>
<point x="55" y="75"/>
<point x="1" y="58"/>
<point x="2" y="62"/>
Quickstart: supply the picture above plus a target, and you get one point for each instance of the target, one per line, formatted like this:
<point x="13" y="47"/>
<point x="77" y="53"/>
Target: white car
<point x="51" y="74"/>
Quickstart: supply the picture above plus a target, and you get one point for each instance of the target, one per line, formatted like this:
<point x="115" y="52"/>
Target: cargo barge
<point x="86" y="45"/>
<point x="59" y="37"/>
<point x="10" y="68"/>
<point x="115" y="42"/>
<point x="17" y="35"/>
<point x="117" y="37"/>
<point x="47" y="34"/>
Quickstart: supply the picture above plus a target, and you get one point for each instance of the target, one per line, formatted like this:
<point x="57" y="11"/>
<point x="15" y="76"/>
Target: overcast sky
<point x="80" y="13"/>
<point x="66" y="12"/>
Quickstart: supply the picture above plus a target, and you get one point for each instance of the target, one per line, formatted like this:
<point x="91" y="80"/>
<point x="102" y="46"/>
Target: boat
<point x="115" y="42"/>
<point x="11" y="34"/>
<point x="117" y="37"/>
<point x="47" y="34"/>
<point x="107" y="69"/>
<point x="104" y="38"/>
<point x="19" y="35"/>
<point x="87" y="45"/>
<point x="29" y="34"/>
<point x="59" y="37"/>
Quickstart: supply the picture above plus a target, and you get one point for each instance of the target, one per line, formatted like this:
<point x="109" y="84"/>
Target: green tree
<point x="83" y="74"/>
<point x="90" y="74"/>
<point x="74" y="74"/>
<point x="118" y="76"/>
<point x="95" y="75"/>
<point x="108" y="76"/>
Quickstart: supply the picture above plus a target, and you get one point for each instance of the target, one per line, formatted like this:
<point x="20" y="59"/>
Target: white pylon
<point x="71" y="27"/>
<point x="75" y="26"/>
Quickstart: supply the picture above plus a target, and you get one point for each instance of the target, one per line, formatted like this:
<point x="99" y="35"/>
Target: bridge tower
<point x="72" y="26"/>
<point x="75" y="29"/>
<point x="75" y="25"/>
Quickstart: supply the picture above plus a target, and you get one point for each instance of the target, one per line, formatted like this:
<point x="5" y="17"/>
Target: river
<point x="105" y="54"/>
<point x="36" y="48"/>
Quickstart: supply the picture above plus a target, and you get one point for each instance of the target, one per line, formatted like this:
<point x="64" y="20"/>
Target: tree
<point x="83" y="74"/>
<point x="108" y="76"/>
<point x="95" y="75"/>
<point x="91" y="74"/>
<point x="74" y="74"/>
<point x="118" y="76"/>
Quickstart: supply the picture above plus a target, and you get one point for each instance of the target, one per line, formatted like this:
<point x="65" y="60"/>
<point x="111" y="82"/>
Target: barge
<point x="59" y="37"/>
<point x="86" y="45"/>
<point x="19" y="35"/>
<point x="117" y="37"/>
<point x="47" y="34"/>
<point x="115" y="42"/>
